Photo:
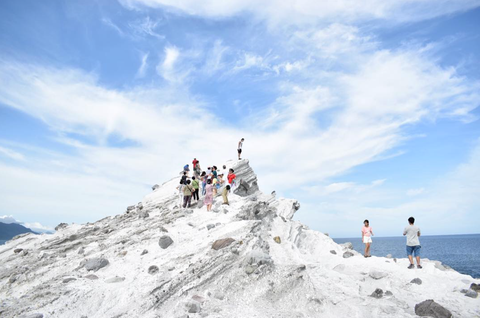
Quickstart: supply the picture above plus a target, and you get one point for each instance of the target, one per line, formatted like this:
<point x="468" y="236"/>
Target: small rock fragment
<point x="347" y="245"/>
<point x="68" y="279"/>
<point x="91" y="276"/>
<point x="17" y="250"/>
<point x="152" y="270"/>
<point x="144" y="252"/>
<point x="277" y="239"/>
<point x="429" y="308"/>
<point x="388" y="293"/>
<point x="81" y="250"/>
<point x="95" y="264"/>
<point x="377" y="274"/>
<point x="347" y="254"/>
<point x="210" y="226"/>
<point x="378" y="293"/>
<point x="417" y="281"/>
<point x="162" y="229"/>
<point x="165" y="241"/>
<point x="36" y="315"/>
<point x="219" y="244"/>
<point x="155" y="187"/>
<point x="333" y="252"/>
<point x="115" y="279"/>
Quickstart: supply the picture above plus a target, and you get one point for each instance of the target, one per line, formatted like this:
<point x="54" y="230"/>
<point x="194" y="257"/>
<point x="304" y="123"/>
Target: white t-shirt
<point x="240" y="145"/>
<point x="412" y="231"/>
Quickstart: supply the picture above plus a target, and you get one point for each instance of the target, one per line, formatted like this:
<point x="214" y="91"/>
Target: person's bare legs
<point x="410" y="258"/>
<point x="368" y="249"/>
<point x="418" y="260"/>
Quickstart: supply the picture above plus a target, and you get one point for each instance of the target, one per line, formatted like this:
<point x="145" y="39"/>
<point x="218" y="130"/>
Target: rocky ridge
<point x="249" y="259"/>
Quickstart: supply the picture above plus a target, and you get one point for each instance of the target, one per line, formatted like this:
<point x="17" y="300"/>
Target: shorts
<point x="239" y="150"/>
<point x="367" y="239"/>
<point x="414" y="250"/>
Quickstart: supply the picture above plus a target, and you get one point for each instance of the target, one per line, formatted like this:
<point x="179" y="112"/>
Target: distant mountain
<point x="8" y="231"/>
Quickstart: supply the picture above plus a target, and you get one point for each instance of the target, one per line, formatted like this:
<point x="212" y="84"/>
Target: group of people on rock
<point x="411" y="232"/>
<point x="211" y="181"/>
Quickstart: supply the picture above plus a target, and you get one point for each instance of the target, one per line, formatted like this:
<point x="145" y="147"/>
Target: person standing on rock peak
<point x="412" y="233"/>
<point x="239" y="148"/>
<point x="367" y="234"/>
<point x="194" y="163"/>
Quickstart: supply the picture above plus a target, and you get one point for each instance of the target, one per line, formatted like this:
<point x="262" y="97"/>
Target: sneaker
<point x="419" y="266"/>
<point x="411" y="266"/>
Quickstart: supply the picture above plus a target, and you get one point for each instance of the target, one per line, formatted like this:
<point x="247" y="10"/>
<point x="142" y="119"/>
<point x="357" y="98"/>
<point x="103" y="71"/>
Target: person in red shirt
<point x="231" y="176"/>
<point x="194" y="162"/>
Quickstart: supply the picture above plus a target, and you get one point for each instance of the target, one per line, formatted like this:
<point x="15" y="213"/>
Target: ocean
<point x="2" y="242"/>
<point x="460" y="252"/>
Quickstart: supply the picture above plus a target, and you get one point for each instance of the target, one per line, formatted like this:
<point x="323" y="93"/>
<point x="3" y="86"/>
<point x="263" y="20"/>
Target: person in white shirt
<point x="240" y="146"/>
<point x="412" y="233"/>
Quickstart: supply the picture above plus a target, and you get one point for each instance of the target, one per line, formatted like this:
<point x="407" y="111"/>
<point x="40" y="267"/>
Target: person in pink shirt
<point x="367" y="234"/>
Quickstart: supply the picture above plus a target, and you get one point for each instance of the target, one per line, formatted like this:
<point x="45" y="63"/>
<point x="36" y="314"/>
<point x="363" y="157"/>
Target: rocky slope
<point x="249" y="259"/>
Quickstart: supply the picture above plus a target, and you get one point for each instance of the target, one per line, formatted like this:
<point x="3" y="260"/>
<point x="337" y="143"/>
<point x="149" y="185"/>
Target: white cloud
<point x="34" y="226"/>
<point x="415" y="192"/>
<point x="278" y="12"/>
<point x="11" y="154"/>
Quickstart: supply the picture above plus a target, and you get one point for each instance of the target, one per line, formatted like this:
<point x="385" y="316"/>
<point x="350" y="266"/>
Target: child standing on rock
<point x="367" y="234"/>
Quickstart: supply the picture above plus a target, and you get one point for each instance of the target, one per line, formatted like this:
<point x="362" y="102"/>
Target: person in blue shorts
<point x="412" y="233"/>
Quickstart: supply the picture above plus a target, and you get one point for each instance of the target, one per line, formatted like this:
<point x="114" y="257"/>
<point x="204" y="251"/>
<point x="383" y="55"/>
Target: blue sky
<point x="358" y="109"/>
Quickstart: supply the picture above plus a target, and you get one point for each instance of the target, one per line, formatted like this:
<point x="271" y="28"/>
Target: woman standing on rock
<point x="367" y="234"/>
<point x="208" y="201"/>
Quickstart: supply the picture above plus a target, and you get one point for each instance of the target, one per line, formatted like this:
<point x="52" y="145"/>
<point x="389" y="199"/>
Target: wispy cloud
<point x="112" y="25"/>
<point x="12" y="154"/>
<point x="146" y="26"/>
<point x="143" y="65"/>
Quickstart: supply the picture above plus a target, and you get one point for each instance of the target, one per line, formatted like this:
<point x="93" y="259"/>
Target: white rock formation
<point x="248" y="274"/>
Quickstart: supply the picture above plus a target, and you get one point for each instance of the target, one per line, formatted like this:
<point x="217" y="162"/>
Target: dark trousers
<point x="186" y="201"/>
<point x="195" y="194"/>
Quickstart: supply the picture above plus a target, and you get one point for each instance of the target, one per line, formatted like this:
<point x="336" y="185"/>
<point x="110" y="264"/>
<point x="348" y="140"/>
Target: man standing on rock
<point x="412" y="233"/>
<point x="240" y="146"/>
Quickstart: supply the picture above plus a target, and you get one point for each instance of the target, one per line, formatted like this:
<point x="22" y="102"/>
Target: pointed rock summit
<point x="246" y="259"/>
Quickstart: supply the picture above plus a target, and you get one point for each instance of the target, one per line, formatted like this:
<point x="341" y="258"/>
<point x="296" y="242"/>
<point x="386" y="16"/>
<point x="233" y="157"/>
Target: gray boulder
<point x="417" y="281"/>
<point x="155" y="187"/>
<point x="333" y="252"/>
<point x="475" y="287"/>
<point x="378" y="293"/>
<point x="429" y="308"/>
<point x="471" y="293"/>
<point x="165" y="241"/>
<point x="95" y="264"/>
<point x="17" y="250"/>
<point x="347" y="254"/>
<point x="193" y="307"/>
<point x="219" y="244"/>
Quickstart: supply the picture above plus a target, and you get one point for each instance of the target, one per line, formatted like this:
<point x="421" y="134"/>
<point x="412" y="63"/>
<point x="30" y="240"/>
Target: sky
<point x="359" y="109"/>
